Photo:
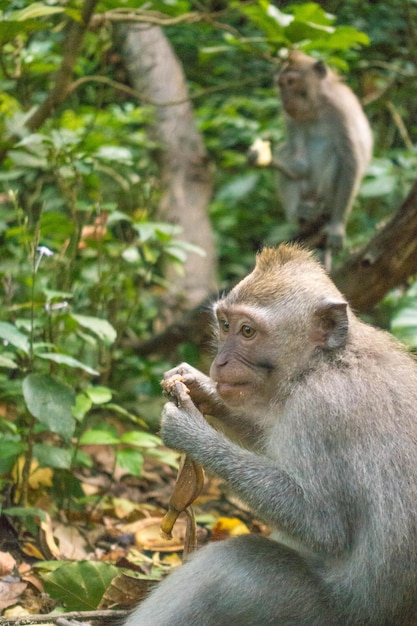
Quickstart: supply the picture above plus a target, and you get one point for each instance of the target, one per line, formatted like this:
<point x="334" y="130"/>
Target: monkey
<point x="315" y="429"/>
<point x="327" y="150"/>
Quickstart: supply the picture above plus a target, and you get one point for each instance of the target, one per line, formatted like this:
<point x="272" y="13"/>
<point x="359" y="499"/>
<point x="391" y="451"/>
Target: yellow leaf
<point x="229" y="527"/>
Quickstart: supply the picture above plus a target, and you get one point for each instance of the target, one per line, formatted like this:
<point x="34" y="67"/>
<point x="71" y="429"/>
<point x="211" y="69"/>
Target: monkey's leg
<point x="246" y="581"/>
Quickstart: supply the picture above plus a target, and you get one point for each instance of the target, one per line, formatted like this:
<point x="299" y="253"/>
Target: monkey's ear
<point x="320" y="69"/>
<point x="330" y="324"/>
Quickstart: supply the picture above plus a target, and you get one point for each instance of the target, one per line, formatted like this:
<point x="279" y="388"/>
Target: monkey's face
<point x="241" y="368"/>
<point x="296" y="95"/>
<point x="252" y="361"/>
<point x="301" y="85"/>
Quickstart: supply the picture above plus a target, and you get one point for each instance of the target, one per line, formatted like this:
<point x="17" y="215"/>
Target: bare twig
<point x="167" y="103"/>
<point x="53" y="617"/>
<point x="402" y="129"/>
<point x="155" y="18"/>
<point x="72" y="46"/>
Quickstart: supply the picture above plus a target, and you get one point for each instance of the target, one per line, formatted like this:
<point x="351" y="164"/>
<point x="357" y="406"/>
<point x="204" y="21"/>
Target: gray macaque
<point x="316" y="430"/>
<point x="327" y="151"/>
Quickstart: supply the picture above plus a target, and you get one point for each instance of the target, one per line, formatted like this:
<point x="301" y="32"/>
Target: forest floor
<point x="119" y="525"/>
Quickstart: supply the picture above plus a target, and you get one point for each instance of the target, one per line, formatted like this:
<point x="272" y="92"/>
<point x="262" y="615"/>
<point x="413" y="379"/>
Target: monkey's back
<point x="364" y="441"/>
<point x="342" y="109"/>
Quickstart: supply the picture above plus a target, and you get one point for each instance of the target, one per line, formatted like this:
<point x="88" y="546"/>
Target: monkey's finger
<point x="174" y="388"/>
<point x="178" y="370"/>
<point x="182" y="394"/>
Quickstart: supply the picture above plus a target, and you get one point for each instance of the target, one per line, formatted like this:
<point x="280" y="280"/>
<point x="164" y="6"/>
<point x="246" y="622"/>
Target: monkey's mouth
<point x="231" y="387"/>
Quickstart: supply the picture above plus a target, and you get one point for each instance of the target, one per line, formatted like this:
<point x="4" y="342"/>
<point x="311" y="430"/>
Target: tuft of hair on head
<point x="270" y="258"/>
<point x="273" y="276"/>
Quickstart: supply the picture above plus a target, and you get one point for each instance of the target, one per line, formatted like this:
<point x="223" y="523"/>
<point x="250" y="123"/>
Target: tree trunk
<point x="155" y="71"/>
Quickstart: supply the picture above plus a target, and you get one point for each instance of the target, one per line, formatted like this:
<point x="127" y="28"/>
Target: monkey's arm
<point x="260" y="155"/>
<point x="271" y="492"/>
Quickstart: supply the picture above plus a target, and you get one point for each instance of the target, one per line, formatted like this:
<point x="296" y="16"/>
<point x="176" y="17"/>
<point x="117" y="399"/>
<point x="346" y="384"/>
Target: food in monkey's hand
<point x="190" y="479"/>
<point x="173" y="387"/>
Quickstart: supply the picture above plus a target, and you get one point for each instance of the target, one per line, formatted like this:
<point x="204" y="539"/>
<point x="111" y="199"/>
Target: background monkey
<point x="328" y="148"/>
<point x="319" y="411"/>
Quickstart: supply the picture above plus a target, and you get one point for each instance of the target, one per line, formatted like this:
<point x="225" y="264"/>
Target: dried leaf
<point x="125" y="591"/>
<point x="72" y="544"/>
<point x="10" y="593"/>
<point x="7" y="564"/>
<point x="148" y="535"/>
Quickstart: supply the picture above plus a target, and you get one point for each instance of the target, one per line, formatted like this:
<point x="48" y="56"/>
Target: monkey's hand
<point x="202" y="389"/>
<point x="335" y="235"/>
<point x="259" y="154"/>
<point x="182" y="423"/>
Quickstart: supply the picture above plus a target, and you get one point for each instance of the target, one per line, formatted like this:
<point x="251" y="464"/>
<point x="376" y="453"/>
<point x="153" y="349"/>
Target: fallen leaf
<point x="148" y="535"/>
<point x="125" y="591"/>
<point x="7" y="563"/>
<point x="10" y="593"/>
<point x="228" y="527"/>
<point x="72" y="544"/>
<point x="48" y="535"/>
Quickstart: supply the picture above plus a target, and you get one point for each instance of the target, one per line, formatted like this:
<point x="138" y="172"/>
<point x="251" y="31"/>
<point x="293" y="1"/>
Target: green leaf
<point x="115" y="153"/>
<point x="98" y="437"/>
<point x="9" y="452"/>
<point x="99" y="395"/>
<point x="25" y="511"/>
<point x="170" y="457"/>
<point x="313" y="13"/>
<point x="51" y="456"/>
<point x="121" y="411"/>
<point x="101" y="328"/>
<point x="65" y="359"/>
<point x="50" y="401"/>
<point x="131" y="460"/>
<point x="36" y="9"/>
<point x="266" y="17"/>
<point x="404" y="325"/>
<point x="10" y="29"/>
<point x="81" y="407"/>
<point x="152" y="230"/>
<point x="378" y="187"/>
<point x="239" y="187"/>
<point x="140" y="439"/>
<point x="82" y="459"/>
<point x="6" y="362"/>
<point x="80" y="586"/>
<point x="10" y="334"/>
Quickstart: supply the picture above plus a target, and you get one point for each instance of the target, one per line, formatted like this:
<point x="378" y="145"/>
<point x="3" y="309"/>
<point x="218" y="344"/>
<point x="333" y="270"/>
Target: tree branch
<point x="385" y="262"/>
<point x="72" y="45"/>
<point x="54" y="617"/>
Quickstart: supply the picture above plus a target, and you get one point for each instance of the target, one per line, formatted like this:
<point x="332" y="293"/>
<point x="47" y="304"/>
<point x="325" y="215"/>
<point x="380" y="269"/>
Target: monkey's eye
<point x="247" y="331"/>
<point x="224" y="325"/>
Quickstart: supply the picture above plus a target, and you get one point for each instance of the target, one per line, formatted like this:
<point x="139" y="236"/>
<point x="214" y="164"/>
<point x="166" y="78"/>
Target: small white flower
<point x="56" y="306"/>
<point x="43" y="251"/>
